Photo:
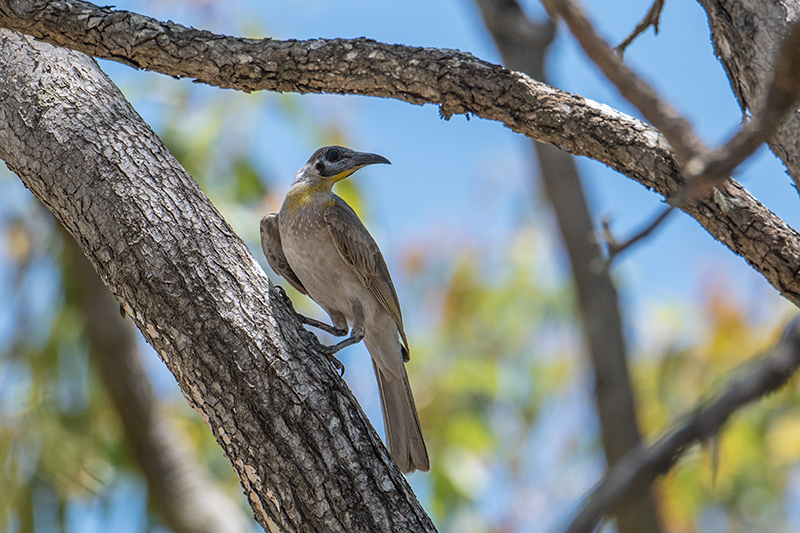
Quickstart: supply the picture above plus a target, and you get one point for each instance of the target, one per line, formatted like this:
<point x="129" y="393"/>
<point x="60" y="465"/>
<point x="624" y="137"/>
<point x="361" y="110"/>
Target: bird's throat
<point x="303" y="195"/>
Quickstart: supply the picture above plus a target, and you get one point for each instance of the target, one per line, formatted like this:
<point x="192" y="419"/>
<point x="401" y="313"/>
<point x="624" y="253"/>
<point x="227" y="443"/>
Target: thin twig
<point x="615" y="248"/>
<point x="637" y="470"/>
<point x="652" y="18"/>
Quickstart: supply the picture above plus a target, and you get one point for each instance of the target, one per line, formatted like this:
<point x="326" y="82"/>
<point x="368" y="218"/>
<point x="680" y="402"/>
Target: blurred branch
<point x="186" y="497"/>
<point x="615" y="248"/>
<point x="524" y="45"/>
<point x="637" y="471"/>
<point x="652" y="18"/>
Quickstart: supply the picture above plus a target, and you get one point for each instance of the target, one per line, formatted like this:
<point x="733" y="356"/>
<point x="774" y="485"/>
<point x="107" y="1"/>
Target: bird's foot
<point x="333" y="330"/>
<point x="354" y="338"/>
<point x="330" y="351"/>
<point x="285" y="297"/>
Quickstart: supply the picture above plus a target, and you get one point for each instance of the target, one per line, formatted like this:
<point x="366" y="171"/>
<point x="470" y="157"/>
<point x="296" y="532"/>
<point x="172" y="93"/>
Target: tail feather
<point x="403" y="430"/>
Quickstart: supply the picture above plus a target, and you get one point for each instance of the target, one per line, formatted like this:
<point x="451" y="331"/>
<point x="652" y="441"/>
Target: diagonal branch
<point x="712" y="168"/>
<point x="747" y="37"/>
<point x="703" y="169"/>
<point x="636" y="472"/>
<point x="637" y="91"/>
<point x="307" y="456"/>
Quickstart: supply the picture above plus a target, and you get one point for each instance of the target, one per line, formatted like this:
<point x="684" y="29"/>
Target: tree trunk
<point x="308" y="458"/>
<point x="178" y="487"/>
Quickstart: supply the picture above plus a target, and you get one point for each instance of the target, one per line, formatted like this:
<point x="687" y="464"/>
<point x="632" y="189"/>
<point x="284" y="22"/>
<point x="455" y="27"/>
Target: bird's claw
<point x="285" y="297"/>
<point x="329" y="353"/>
<point x="338" y="332"/>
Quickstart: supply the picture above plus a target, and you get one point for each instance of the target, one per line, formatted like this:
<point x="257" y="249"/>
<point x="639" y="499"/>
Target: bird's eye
<point x="334" y="155"/>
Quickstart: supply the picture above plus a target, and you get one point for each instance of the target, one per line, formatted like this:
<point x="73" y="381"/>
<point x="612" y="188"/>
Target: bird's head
<point x="334" y="163"/>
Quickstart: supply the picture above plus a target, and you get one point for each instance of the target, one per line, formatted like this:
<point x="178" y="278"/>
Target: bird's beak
<point x="362" y="159"/>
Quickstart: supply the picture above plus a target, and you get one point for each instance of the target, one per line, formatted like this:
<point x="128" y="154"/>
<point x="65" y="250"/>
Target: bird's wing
<point x="271" y="244"/>
<point x="359" y="250"/>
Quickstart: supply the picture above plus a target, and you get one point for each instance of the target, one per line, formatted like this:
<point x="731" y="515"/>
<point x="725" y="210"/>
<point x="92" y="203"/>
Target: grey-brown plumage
<point x="318" y="244"/>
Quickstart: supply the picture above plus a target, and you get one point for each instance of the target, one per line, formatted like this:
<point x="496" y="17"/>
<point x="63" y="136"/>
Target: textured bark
<point x="178" y="487"/>
<point x="523" y="45"/>
<point x="747" y="35"/>
<point x="457" y="82"/>
<point x="308" y="458"/>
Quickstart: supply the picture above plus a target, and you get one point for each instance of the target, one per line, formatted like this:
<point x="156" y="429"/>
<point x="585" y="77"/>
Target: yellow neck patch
<point x="301" y="195"/>
<point x="304" y="193"/>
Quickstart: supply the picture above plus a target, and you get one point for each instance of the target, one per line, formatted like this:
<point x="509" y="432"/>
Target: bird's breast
<point x="312" y="254"/>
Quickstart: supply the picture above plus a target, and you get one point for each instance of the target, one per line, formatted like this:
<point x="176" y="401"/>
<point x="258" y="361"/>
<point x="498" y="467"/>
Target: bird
<point x="317" y="243"/>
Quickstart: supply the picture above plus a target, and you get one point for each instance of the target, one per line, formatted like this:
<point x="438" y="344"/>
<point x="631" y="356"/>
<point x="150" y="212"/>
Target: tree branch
<point x="660" y="113"/>
<point x="710" y="169"/>
<point x="458" y="82"/>
<point x="615" y="247"/>
<point x="307" y="456"/>
<point x="703" y="169"/>
<point x="626" y="481"/>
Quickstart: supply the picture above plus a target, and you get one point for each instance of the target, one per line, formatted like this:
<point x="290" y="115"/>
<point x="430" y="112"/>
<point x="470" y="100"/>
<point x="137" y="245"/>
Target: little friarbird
<point x="318" y="244"/>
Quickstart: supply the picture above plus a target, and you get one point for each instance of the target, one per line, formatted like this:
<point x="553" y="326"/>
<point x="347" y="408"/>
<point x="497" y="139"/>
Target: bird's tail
<point x="403" y="430"/>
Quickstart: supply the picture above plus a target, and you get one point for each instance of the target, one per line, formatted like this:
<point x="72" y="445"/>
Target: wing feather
<point x="273" y="249"/>
<point x="359" y="250"/>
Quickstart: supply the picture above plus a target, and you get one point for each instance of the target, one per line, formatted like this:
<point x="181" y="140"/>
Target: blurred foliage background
<point x="498" y="365"/>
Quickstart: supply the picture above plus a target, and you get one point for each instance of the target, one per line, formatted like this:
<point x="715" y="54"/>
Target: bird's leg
<point x="356" y="336"/>
<point x="333" y="330"/>
<point x="328" y="351"/>
<point x="327" y="328"/>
